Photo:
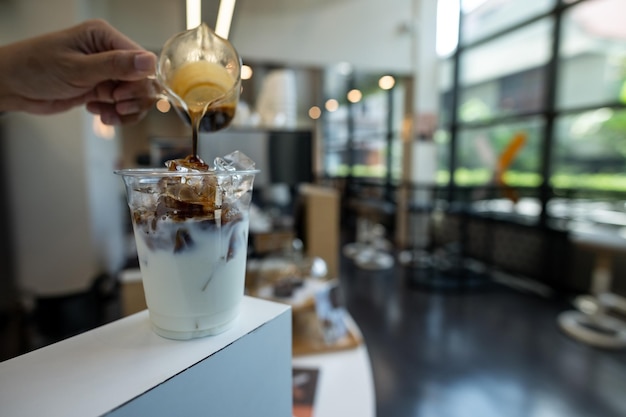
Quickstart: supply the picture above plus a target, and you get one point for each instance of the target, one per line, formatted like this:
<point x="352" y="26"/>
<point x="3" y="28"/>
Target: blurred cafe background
<point x="459" y="167"/>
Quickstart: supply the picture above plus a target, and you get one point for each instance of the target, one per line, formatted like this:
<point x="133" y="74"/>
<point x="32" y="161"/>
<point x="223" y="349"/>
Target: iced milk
<point x="191" y="232"/>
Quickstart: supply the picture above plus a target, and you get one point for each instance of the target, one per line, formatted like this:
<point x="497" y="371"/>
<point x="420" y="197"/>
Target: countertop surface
<point x="94" y="372"/>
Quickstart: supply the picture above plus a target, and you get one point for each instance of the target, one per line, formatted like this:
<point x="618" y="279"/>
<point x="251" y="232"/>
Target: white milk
<point x="196" y="290"/>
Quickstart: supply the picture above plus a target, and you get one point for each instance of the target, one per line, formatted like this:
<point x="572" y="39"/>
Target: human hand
<point x="91" y="64"/>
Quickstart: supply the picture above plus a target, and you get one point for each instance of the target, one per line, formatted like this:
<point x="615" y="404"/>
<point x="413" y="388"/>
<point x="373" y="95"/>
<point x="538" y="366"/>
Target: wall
<point x="148" y="22"/>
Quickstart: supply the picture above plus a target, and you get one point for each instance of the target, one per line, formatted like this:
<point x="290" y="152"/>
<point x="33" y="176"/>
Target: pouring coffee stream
<point x="200" y="74"/>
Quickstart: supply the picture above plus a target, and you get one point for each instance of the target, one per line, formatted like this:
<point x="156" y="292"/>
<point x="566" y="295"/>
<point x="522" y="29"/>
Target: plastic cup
<point x="191" y="232"/>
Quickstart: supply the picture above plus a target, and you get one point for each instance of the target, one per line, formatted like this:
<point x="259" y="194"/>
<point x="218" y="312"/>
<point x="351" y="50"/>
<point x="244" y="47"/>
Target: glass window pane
<point x="479" y="151"/>
<point x="370" y="159"/>
<point x="442" y="143"/>
<point x="592" y="61"/>
<point x="506" y="75"/>
<point x="356" y="133"/>
<point x="484" y="17"/>
<point x="590" y="151"/>
<point x="396" y="158"/>
<point x="446" y="80"/>
<point x="370" y="114"/>
<point x="335" y="163"/>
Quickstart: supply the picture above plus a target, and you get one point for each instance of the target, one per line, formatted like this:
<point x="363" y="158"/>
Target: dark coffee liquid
<point x="214" y="119"/>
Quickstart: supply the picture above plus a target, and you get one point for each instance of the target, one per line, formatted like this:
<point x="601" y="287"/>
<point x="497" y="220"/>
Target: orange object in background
<point x="506" y="159"/>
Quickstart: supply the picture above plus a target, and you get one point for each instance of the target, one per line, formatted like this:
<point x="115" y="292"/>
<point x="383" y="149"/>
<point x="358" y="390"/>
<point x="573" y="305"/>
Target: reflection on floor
<point x="488" y="351"/>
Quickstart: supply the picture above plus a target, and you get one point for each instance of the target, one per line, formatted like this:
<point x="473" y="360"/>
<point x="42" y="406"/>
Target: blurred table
<point x="325" y="339"/>
<point x="605" y="241"/>
<point x="595" y="327"/>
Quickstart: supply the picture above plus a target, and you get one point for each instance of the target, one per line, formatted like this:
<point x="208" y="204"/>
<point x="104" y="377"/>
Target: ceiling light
<point x="194" y="13"/>
<point x="224" y="18"/>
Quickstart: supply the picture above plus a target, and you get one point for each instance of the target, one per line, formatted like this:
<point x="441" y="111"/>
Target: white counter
<point x="125" y="369"/>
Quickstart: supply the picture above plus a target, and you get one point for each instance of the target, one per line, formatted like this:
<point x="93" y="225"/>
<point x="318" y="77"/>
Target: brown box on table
<point x="273" y="241"/>
<point x="321" y="221"/>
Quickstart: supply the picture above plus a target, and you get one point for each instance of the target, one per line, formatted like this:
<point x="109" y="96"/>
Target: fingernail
<point x="109" y="119"/>
<point x="145" y="62"/>
<point x="128" y="107"/>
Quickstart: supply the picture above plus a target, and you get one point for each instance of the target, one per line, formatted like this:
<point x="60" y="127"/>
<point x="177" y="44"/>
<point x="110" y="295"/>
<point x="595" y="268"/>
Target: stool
<point x="370" y="249"/>
<point x="600" y="318"/>
<point x="593" y="323"/>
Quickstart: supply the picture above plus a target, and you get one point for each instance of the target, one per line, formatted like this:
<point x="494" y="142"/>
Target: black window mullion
<point x="454" y="116"/>
<point x="545" y="189"/>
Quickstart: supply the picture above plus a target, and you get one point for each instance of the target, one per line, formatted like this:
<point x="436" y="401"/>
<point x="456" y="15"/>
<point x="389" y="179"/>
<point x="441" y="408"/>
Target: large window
<point x="590" y="150"/>
<point x="362" y="124"/>
<point x="479" y="150"/>
<point x="592" y="55"/>
<point x="484" y="18"/>
<point x="506" y="75"/>
<point x="553" y="71"/>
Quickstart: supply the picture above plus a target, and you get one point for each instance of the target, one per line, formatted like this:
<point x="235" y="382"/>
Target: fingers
<point x="113" y="91"/>
<point x="116" y="114"/>
<point x="120" y="113"/>
<point x="118" y="103"/>
<point x="112" y="118"/>
<point x="115" y="65"/>
<point x="129" y="90"/>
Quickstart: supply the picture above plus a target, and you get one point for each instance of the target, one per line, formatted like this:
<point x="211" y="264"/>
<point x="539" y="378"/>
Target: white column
<point x="421" y="165"/>
<point x="48" y="195"/>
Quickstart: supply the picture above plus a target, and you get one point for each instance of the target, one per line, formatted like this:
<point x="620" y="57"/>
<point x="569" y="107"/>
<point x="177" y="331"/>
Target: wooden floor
<point x="485" y="352"/>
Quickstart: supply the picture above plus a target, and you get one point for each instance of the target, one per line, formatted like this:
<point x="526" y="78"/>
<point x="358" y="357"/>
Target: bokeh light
<point x="386" y="82"/>
<point x="163" y="105"/>
<point x="354" y="96"/>
<point x="246" y="72"/>
<point x="315" y="112"/>
<point x="331" y="105"/>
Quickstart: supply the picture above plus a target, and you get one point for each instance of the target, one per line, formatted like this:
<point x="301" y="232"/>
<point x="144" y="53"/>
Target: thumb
<point x="123" y="65"/>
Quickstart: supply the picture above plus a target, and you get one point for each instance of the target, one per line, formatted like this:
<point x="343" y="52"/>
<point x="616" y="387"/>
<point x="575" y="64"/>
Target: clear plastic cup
<point x="191" y="231"/>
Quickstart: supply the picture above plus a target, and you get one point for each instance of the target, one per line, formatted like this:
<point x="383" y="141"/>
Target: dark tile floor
<point x="487" y="352"/>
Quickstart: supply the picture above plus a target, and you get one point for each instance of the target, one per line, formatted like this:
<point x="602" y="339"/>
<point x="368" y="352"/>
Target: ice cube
<point x="209" y="191"/>
<point x="190" y="163"/>
<point x="239" y="160"/>
<point x="221" y="164"/>
<point x="236" y="185"/>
